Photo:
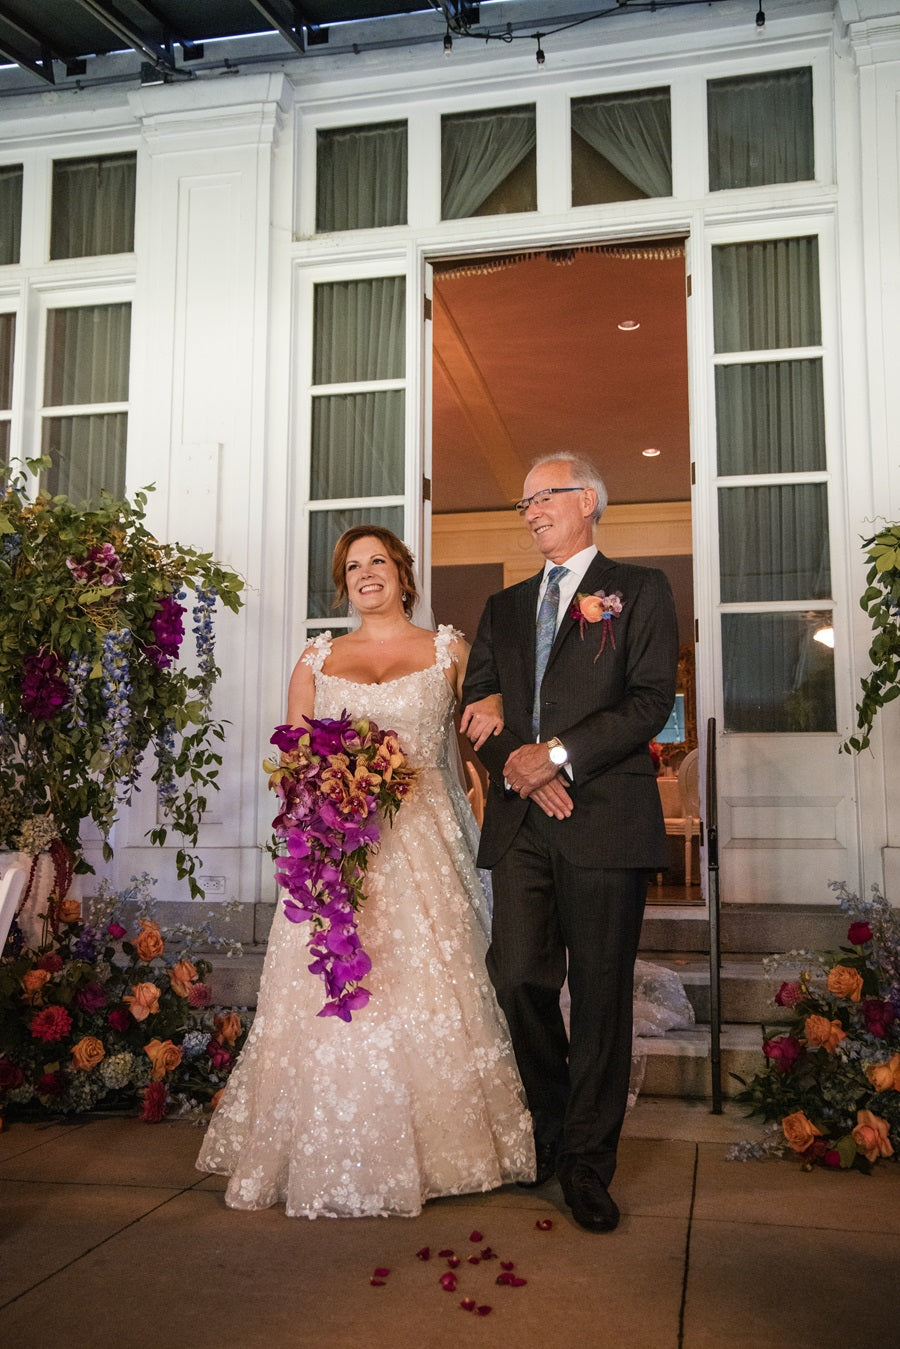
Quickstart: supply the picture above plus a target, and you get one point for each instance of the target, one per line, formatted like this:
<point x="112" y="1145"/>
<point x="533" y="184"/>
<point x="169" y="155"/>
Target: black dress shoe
<point x="544" y="1166"/>
<point x="590" y="1201"/>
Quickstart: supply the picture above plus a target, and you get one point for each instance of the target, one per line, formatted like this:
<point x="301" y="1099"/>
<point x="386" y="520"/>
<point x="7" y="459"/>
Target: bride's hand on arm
<point x="482" y="719"/>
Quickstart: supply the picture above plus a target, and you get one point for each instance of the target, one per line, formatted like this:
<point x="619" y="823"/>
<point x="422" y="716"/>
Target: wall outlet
<point x="212" y="885"/>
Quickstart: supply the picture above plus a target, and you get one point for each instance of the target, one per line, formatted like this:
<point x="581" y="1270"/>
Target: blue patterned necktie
<point x="546" y="631"/>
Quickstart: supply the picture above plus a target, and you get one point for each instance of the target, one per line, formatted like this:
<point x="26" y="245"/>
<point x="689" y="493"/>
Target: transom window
<point x="621" y="147"/>
<point x="760" y="129"/>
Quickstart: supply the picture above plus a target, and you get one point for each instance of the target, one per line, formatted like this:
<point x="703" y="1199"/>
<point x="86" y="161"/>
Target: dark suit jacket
<point x="605" y="711"/>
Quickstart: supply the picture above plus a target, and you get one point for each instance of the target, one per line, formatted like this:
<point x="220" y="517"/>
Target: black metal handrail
<point x="711" y="816"/>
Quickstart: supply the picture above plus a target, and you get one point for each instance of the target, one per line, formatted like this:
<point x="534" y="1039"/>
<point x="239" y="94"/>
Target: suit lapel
<point x="590" y="582"/>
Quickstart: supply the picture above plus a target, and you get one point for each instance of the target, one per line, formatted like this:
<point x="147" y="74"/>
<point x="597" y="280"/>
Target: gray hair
<point x="583" y="474"/>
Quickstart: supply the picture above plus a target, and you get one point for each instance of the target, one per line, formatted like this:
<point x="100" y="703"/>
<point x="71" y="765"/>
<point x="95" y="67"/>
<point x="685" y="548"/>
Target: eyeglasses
<point x="542" y="497"/>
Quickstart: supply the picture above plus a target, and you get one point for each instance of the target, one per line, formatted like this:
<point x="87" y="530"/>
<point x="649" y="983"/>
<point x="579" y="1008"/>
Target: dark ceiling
<point x="67" y="32"/>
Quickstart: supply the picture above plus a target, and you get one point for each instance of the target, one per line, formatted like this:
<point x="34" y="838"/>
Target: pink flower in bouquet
<point x="879" y="1016"/>
<point x="51" y="1023"/>
<point x="115" y="930"/>
<point x="120" y="1019"/>
<point x="859" y="933"/>
<point x="44" y="692"/>
<point x="156" y="1102"/>
<point x="91" y="997"/>
<point x="168" y="633"/>
<point x="784" y="1051"/>
<point x="219" y="1056"/>
<point x="199" y="995"/>
<point x="11" y="1075"/>
<point x="51" y="1084"/>
<point x="871" y="1136"/>
<point x="789" y="994"/>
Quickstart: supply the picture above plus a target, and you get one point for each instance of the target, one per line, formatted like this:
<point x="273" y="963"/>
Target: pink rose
<point x="115" y="930"/>
<point x="784" y="1051"/>
<point x="219" y="1056"/>
<point x="789" y="994"/>
<point x="859" y="933"/>
<point x="871" y="1136"/>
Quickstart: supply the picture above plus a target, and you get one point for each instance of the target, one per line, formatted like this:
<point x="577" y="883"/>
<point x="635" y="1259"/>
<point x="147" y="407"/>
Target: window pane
<point x="621" y="147"/>
<point x="88" y="454"/>
<point x="93" y="206"/>
<point x="10" y="212"/>
<point x="488" y="163"/>
<point x="770" y="418"/>
<point x="4" y="442"/>
<point x="360" y="330"/>
<point x="766" y="295"/>
<point x="760" y="129"/>
<point x="361" y="177"/>
<point x="358" y="445"/>
<point x="777" y="676"/>
<point x="7" y="352"/>
<point x="773" y="543"/>
<point x="87" y="355"/>
<point x="325" y="528"/>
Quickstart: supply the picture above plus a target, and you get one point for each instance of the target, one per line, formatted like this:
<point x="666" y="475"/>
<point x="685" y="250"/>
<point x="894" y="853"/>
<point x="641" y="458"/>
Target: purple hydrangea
<point x="168" y="632"/>
<point x="44" y="692"/>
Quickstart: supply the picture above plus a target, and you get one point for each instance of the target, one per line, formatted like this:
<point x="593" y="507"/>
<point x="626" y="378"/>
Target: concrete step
<point x="678" y="1063"/>
<point x="747" y="991"/>
<point x="746" y="929"/>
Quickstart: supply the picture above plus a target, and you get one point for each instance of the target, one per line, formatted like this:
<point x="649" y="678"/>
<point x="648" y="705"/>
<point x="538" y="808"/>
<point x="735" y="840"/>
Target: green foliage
<point x="881" y="601"/>
<point x="76" y="762"/>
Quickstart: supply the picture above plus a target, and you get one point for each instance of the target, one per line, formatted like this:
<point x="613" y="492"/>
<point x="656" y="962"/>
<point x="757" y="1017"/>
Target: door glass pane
<point x="325" y="528"/>
<point x="4" y="442"/>
<point x="10" y="213"/>
<point x="488" y="162"/>
<point x="621" y="147"/>
<point x="360" y="330"/>
<point x="773" y="543"/>
<point x="93" y="206"/>
<point x="358" y="445"/>
<point x="7" y="352"/>
<point x="760" y="129"/>
<point x="87" y="355"/>
<point x="361" y="177"/>
<point x="770" y="417"/>
<point x="88" y="454"/>
<point x="777" y="676"/>
<point x="766" y="295"/>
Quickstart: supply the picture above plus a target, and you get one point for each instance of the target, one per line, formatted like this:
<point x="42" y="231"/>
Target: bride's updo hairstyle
<point x="396" y="550"/>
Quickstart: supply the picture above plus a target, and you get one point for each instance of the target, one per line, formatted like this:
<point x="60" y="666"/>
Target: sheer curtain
<point x="774" y="543"/>
<point x="93" y="206"/>
<point x="360" y="330"/>
<point x="361" y="176"/>
<point x="634" y="132"/>
<point x="10" y="213"/>
<point x="770" y="417"/>
<point x="760" y="129"/>
<point x="479" y="150"/>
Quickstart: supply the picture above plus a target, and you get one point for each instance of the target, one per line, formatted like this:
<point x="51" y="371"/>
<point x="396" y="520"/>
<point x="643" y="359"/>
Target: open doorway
<point x="581" y="349"/>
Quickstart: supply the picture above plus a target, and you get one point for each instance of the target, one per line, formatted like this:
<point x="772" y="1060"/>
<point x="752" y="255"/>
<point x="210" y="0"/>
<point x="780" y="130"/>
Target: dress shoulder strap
<point x="317" y="652"/>
<point x="443" y="640"/>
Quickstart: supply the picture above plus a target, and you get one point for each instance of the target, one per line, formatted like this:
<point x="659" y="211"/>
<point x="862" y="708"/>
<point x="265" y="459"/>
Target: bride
<point x="419" y="1095"/>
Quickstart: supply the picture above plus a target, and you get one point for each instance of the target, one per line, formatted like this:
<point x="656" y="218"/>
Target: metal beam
<point x="292" y="35"/>
<point x="42" y="66"/>
<point x="131" y="35"/>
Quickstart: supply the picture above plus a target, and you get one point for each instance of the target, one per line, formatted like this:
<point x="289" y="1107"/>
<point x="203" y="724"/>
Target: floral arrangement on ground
<point x="831" y="1086"/>
<point x="92" y="674"/>
<point x="114" y="1014"/>
<point x="333" y="780"/>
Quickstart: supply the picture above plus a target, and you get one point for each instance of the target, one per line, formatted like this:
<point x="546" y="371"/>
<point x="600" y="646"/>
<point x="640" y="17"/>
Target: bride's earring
<point x="351" y="612"/>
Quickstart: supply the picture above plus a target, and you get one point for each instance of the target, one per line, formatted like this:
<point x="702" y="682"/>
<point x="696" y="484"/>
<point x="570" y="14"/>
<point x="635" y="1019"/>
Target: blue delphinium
<point x="77" y="674"/>
<point x="204" y="607"/>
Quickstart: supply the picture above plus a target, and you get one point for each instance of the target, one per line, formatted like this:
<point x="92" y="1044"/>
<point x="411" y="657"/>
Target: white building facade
<point x="225" y="305"/>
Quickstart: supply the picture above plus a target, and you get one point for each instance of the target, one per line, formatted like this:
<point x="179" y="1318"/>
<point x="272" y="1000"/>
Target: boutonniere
<point x="597" y="608"/>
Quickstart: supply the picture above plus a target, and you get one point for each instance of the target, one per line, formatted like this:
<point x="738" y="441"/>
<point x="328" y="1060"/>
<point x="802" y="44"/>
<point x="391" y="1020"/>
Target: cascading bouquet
<point x="334" y="781"/>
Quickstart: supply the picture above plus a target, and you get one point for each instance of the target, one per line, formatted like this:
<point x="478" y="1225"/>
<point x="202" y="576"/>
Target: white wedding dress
<point x="418" y="1096"/>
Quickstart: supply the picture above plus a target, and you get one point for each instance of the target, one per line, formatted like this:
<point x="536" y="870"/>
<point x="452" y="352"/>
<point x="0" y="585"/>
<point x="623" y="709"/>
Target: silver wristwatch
<point x="558" y="753"/>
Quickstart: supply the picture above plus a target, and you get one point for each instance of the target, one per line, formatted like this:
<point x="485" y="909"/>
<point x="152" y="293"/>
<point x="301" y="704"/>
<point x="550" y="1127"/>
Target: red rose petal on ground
<point x="424" y="1253"/>
<point x="483" y="1311"/>
<point x="504" y="1264"/>
<point x="448" y="1283"/>
<point x="474" y="1260"/>
<point x="544" y="1224"/>
<point x="444" y="1253"/>
<point x="503" y="1279"/>
<point x="377" y="1283"/>
<point x="381" y="1272"/>
<point x="475" y="1236"/>
<point x="468" y="1304"/>
<point x="515" y="1282"/>
<point x="453" y="1261"/>
<point x="488" y="1254"/>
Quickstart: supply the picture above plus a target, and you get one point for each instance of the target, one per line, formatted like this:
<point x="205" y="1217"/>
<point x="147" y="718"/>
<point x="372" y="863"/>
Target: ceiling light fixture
<point x="650" y="453"/>
<point x="628" y="325"/>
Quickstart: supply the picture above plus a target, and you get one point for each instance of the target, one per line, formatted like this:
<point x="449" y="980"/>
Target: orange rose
<point x="143" y="1000"/>
<point x="217" y="1098"/>
<point x="591" y="608"/>
<point x="823" y="1034"/>
<point x="33" y="984"/>
<point x="164" y="1055"/>
<point x="845" y="982"/>
<point x="871" y="1136"/>
<point x="181" y="976"/>
<point x="799" y="1131"/>
<point x="228" y="1028"/>
<point x="149" y="942"/>
<point x="68" y="910"/>
<point x="87" y="1053"/>
<point x="884" y="1076"/>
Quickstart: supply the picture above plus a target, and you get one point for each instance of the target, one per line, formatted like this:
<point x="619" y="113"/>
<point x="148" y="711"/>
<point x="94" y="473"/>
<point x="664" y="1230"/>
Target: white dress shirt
<point x="577" y="566"/>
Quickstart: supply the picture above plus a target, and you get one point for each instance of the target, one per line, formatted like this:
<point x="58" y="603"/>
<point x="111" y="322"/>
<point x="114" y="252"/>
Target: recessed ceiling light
<point x="629" y="325"/>
<point x="650" y="454"/>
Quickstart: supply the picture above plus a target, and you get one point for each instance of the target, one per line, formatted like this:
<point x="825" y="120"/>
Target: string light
<point x="760" y="18"/>
<point x="448" y="42"/>
<point x="539" y="54"/>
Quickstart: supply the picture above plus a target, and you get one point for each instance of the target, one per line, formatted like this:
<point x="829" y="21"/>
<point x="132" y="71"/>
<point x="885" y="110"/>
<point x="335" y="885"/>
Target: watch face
<point x="558" y="754"/>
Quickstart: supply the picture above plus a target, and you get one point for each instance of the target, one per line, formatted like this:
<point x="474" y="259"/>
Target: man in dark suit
<point x="573" y="825"/>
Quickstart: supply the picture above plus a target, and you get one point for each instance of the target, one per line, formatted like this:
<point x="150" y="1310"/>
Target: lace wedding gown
<point x="418" y="1095"/>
